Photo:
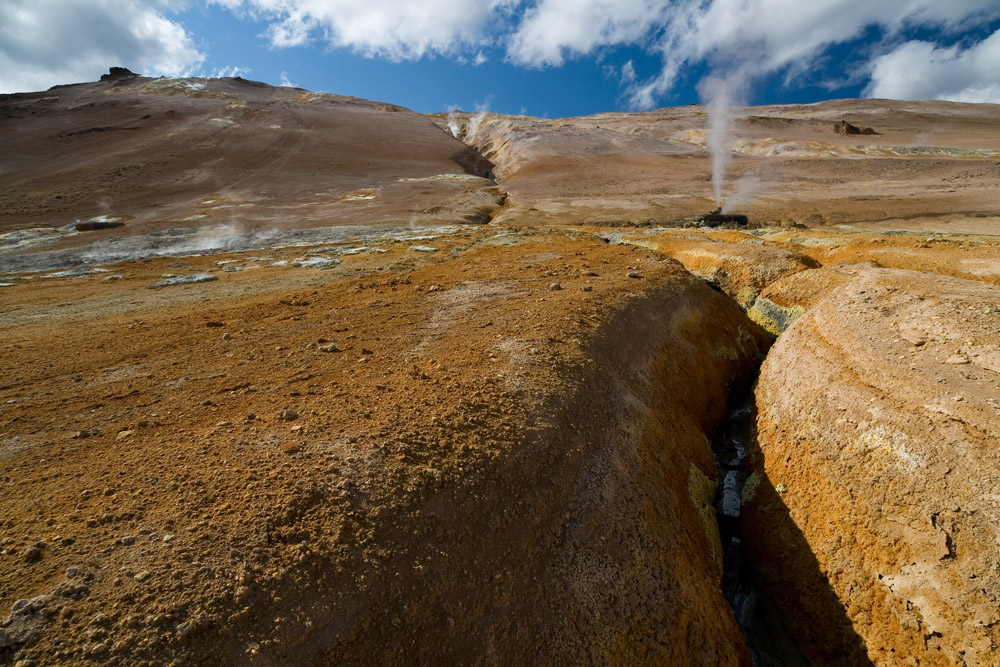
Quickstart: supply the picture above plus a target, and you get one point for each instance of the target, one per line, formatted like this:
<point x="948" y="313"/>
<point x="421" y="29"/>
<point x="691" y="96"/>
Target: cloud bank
<point x="43" y="42"/>
<point x="921" y="70"/>
<point x="750" y="37"/>
<point x="49" y="42"/>
<point x="392" y="29"/>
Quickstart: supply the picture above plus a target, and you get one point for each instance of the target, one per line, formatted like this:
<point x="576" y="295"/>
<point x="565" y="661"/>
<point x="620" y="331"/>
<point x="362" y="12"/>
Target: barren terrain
<point x="330" y="385"/>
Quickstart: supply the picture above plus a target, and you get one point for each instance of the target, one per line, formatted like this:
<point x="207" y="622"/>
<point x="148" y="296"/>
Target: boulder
<point x="843" y="127"/>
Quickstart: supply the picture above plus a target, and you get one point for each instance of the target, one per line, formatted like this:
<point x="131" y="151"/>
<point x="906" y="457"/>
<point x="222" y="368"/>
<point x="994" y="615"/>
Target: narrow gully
<point x="769" y="642"/>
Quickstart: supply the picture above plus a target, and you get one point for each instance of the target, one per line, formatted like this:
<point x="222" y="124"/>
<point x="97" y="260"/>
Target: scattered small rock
<point x="183" y="280"/>
<point x="316" y="263"/>
<point x="957" y="360"/>
<point x="634" y="274"/>
<point x="555" y="286"/>
<point x="32" y="554"/>
<point x="289" y="415"/>
<point x="587" y="288"/>
<point x="329" y="347"/>
<point x="215" y="324"/>
<point x="290" y="448"/>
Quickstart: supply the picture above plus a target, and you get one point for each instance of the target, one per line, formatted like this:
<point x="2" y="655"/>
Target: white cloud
<point x="49" y="42"/>
<point x="45" y="42"/>
<point x="921" y="70"/>
<point x="553" y="29"/>
<point x="385" y="28"/>
<point x="755" y="37"/>
<point x="232" y="71"/>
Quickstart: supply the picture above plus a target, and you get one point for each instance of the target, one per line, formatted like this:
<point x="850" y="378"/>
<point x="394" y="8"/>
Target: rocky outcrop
<point x="872" y="508"/>
<point x="781" y="302"/>
<point x="740" y="265"/>
<point x="843" y="127"/>
<point x="118" y="73"/>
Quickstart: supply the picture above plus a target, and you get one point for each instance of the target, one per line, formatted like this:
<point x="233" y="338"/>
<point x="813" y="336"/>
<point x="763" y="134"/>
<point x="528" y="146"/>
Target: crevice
<point x="767" y="638"/>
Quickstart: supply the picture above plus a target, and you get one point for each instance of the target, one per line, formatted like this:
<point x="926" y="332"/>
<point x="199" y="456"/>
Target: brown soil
<point x="483" y="443"/>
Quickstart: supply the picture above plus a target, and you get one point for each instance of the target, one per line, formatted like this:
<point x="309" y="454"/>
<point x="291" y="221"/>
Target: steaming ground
<point x="15" y="256"/>
<point x="935" y="162"/>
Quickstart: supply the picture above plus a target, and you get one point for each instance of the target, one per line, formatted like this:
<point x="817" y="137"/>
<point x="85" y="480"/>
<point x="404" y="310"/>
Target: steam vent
<point x="717" y="218"/>
<point x="291" y="378"/>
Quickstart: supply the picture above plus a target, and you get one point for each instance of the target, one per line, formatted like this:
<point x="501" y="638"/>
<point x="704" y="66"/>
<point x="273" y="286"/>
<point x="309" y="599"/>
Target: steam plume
<point x="721" y="93"/>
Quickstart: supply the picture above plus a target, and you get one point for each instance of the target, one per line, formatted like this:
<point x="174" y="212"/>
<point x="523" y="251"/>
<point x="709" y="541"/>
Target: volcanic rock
<point x="843" y="127"/>
<point x="883" y="544"/>
<point x="117" y="73"/>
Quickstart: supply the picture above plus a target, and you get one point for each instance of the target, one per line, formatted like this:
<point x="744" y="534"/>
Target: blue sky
<point x="549" y="58"/>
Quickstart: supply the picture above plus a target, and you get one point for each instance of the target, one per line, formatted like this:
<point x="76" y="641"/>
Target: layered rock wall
<point x="875" y="519"/>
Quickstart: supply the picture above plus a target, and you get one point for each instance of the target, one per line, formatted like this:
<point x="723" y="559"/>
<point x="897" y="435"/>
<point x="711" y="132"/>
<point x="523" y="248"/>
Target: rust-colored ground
<point x="458" y="442"/>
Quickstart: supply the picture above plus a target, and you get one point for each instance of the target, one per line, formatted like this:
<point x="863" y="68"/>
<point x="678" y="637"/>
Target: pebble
<point x="122" y="435"/>
<point x="226" y="336"/>
<point x="32" y="554"/>
<point x="957" y="360"/>
<point x="634" y="274"/>
<point x="329" y="347"/>
<point x="183" y="280"/>
<point x="215" y="324"/>
<point x="289" y="415"/>
<point x="587" y="288"/>
<point x="555" y="286"/>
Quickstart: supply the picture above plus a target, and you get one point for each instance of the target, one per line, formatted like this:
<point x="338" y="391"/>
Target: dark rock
<point x="91" y="225"/>
<point x="843" y="127"/>
<point x="717" y="218"/>
<point x="117" y="73"/>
